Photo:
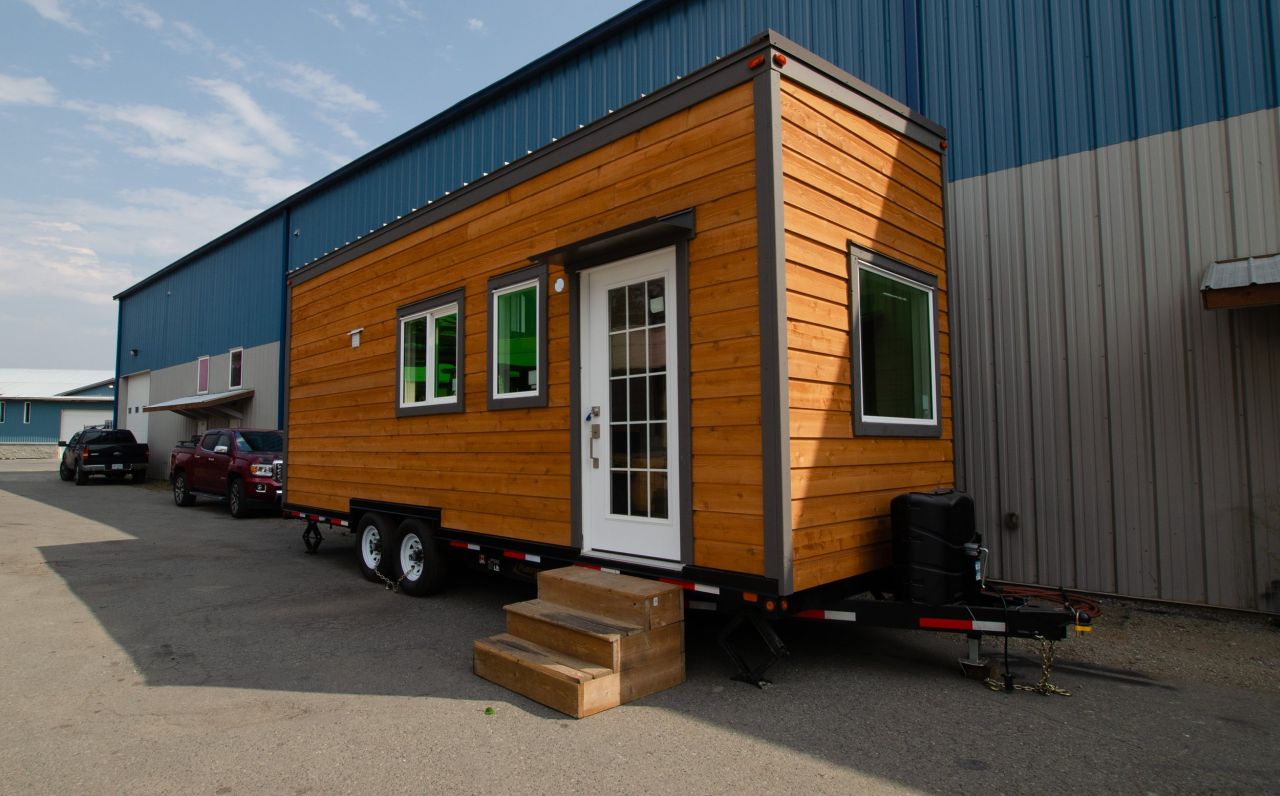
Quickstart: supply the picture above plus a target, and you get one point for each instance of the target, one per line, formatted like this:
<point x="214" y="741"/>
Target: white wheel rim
<point x="371" y="546"/>
<point x="411" y="556"/>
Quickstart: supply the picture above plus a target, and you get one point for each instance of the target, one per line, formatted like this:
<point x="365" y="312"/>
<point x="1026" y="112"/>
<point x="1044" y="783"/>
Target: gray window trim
<point x="862" y="428"/>
<point x="534" y="273"/>
<point x="459" y="404"/>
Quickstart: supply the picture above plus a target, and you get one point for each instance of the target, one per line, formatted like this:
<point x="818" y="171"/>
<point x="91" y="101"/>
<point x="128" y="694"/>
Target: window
<point x="26" y="412"/>
<point x="518" y="339"/>
<point x="236" y="379"/>
<point x="895" y="352"/>
<point x="431" y="356"/>
<point x="2" y="411"/>
<point x="202" y="375"/>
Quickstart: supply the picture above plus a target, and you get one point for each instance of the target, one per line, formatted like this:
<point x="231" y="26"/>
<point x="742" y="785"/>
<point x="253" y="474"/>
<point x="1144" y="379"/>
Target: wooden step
<point x="600" y="640"/>
<point x="648" y="604"/>
<point x="576" y="687"/>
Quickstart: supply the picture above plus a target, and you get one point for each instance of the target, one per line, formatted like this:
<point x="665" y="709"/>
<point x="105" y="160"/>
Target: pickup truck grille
<point x="277" y="470"/>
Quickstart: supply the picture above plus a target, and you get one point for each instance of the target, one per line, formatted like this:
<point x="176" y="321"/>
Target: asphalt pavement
<point x="147" y="648"/>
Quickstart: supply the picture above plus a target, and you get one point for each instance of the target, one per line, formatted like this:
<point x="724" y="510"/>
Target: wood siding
<point x="507" y="472"/>
<point x="848" y="178"/>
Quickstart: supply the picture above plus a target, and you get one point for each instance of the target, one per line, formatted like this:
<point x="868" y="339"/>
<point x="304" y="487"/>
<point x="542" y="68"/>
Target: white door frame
<point x="654" y="540"/>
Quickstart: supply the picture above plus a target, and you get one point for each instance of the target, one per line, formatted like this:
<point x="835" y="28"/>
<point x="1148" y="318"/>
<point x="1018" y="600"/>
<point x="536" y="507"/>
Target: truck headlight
<point x="263" y="470"/>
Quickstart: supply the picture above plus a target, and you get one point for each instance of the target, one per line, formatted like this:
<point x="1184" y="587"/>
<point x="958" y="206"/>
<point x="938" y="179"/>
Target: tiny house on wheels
<point x="703" y="339"/>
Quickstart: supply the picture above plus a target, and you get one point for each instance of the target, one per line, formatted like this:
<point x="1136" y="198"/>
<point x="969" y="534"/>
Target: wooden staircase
<point x="590" y="642"/>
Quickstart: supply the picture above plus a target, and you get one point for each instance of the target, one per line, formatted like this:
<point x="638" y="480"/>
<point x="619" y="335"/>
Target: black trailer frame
<point x="753" y="602"/>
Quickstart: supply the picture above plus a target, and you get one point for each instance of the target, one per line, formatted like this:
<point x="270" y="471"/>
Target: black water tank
<point x="935" y="547"/>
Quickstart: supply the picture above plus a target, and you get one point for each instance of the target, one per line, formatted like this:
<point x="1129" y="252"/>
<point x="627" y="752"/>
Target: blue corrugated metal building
<point x="40" y="407"/>
<point x="1117" y="437"/>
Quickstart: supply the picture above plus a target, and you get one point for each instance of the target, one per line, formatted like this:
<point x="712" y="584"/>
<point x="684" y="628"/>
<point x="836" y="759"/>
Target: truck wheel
<point x="64" y="472"/>
<point x="373" y="539"/>
<point x="416" y="563"/>
<point x="181" y="496"/>
<point x="235" y="499"/>
<point x="82" y="477"/>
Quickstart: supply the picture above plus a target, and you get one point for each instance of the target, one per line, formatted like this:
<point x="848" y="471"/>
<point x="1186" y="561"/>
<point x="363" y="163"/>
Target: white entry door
<point x="137" y="394"/>
<point x="630" y="476"/>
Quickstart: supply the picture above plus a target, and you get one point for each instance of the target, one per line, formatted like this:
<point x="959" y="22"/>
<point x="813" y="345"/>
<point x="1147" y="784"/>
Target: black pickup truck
<point x="99" y="451"/>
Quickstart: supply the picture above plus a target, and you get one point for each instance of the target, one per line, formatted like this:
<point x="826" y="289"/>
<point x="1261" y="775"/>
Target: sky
<point x="132" y="133"/>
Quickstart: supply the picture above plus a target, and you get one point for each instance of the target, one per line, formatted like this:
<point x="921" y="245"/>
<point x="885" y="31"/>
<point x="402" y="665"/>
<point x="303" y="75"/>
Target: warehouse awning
<point x="202" y="406"/>
<point x="1248" y="282"/>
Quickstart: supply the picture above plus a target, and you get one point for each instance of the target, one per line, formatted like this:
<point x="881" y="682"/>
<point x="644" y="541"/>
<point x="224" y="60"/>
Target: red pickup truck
<point x="243" y="465"/>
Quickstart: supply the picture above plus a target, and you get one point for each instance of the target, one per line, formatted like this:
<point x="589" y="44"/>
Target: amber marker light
<point x="779" y="59"/>
<point x="756" y="63"/>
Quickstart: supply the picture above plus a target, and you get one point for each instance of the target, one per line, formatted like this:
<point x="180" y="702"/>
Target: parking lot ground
<point x="147" y="648"/>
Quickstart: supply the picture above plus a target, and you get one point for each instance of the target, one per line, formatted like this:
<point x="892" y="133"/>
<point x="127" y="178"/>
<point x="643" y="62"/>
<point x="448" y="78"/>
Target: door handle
<point x="591" y="446"/>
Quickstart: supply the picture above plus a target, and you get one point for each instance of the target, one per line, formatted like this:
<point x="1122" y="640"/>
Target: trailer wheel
<point x="416" y="562"/>
<point x="374" y="538"/>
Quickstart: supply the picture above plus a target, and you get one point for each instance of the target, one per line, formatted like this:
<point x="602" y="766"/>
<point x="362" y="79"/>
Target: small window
<point x="518" y="339"/>
<point x="26" y="411"/>
<point x="236" y="379"/>
<point x="202" y="375"/>
<point x="431" y="355"/>
<point x="1" y="411"/>
<point x="895" y="362"/>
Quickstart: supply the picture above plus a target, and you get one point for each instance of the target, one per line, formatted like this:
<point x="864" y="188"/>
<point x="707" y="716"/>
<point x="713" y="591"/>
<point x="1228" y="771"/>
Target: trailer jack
<point x="311" y="536"/>
<point x="774" y="647"/>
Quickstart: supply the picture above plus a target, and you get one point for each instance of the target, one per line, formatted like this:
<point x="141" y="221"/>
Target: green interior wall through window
<point x="897" y="348"/>
<point x="516" y="313"/>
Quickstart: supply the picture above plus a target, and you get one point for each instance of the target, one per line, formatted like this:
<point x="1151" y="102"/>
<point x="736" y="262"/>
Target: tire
<point x="82" y="477"/>
<point x="64" y="472"/>
<point x="138" y="477"/>
<point x="235" y="499"/>
<point x="181" y="495"/>
<point x="372" y="538"/>
<point x="416" y="561"/>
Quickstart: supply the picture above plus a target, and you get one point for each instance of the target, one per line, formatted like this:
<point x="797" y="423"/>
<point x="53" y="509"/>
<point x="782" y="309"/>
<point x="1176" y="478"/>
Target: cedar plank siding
<point x="506" y="472"/>
<point x="848" y="178"/>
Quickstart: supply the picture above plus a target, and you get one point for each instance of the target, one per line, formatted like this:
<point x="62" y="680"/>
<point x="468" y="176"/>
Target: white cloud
<point x="68" y="258"/>
<point x="142" y="15"/>
<point x="53" y="11"/>
<point x="323" y="89"/>
<point x="475" y="24"/>
<point x="332" y="19"/>
<point x="410" y="10"/>
<point x="361" y="11"/>
<point x="92" y="63"/>
<point x="26" y="91"/>
<point x="251" y="113"/>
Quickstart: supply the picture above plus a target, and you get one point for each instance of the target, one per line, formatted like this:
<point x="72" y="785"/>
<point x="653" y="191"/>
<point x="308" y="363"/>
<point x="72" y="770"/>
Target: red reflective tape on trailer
<point x="461" y="545"/>
<point x="932" y="623"/>
<point x="588" y="566"/>
<point x="690" y="586"/>
<point x="812" y="613"/>
<point x="521" y="556"/>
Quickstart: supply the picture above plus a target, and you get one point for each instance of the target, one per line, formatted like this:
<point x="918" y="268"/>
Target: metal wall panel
<point x="230" y="297"/>
<point x="1133" y="432"/>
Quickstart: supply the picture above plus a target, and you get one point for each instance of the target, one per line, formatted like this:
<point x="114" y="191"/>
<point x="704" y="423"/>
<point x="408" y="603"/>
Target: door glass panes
<point x="896" y="327"/>
<point x="638" y="399"/>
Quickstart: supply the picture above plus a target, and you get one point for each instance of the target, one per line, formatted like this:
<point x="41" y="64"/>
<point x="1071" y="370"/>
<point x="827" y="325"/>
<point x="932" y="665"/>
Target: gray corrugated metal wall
<point x="1133" y="432"/>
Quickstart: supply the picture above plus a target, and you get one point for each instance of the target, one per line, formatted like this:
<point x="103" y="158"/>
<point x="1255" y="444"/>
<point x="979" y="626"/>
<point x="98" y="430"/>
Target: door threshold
<point x="658" y="563"/>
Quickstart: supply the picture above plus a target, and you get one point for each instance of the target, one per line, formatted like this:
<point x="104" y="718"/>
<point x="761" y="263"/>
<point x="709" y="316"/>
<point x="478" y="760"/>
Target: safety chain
<point x="1046" y="666"/>
<point x="391" y="585"/>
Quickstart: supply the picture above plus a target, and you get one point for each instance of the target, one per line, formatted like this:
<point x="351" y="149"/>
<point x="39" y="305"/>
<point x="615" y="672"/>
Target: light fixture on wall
<point x="133" y="352"/>
<point x="355" y="337"/>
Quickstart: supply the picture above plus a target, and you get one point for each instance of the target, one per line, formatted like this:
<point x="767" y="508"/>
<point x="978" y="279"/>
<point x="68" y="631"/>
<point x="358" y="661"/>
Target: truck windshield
<point x="260" y="441"/>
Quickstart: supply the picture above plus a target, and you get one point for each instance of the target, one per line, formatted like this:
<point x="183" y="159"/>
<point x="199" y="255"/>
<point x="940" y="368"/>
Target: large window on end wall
<point x="518" y="339"/>
<point x="431" y="356"/>
<point x="895" y="347"/>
